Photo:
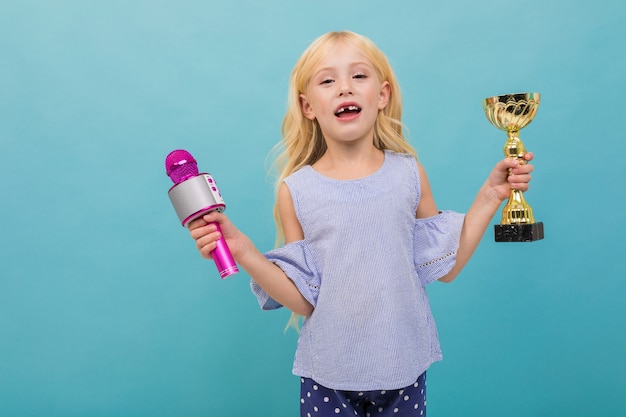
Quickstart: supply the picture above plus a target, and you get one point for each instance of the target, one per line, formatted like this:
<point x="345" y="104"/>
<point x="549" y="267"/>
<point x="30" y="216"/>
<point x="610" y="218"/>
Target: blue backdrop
<point x="106" y="309"/>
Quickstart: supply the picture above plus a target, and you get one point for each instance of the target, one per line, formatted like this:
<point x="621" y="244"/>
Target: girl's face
<point x="345" y="95"/>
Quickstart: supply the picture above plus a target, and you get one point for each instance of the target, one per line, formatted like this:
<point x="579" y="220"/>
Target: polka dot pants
<point x="319" y="401"/>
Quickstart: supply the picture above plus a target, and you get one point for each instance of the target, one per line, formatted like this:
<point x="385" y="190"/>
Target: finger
<point x="207" y="244"/>
<point x="522" y="186"/>
<point x="511" y="163"/>
<point x="208" y="239"/>
<point x="211" y="217"/>
<point x="519" y="182"/>
<point x="207" y="250"/>
<point x="522" y="169"/>
<point x="196" y="223"/>
<point x="519" y="178"/>
<point x="205" y="230"/>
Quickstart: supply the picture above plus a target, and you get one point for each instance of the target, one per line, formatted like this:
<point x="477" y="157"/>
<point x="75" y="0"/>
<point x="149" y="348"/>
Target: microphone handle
<point x="222" y="257"/>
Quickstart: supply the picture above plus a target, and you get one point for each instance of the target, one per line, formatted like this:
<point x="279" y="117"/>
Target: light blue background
<point x="106" y="309"/>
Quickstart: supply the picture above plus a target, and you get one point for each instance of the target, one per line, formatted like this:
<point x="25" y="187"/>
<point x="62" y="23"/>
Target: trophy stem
<point x="516" y="210"/>
<point x="514" y="147"/>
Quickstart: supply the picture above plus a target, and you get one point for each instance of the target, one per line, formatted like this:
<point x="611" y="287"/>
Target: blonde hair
<point x="302" y="141"/>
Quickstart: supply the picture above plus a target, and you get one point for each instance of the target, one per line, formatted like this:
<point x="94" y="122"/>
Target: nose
<point x="345" y="88"/>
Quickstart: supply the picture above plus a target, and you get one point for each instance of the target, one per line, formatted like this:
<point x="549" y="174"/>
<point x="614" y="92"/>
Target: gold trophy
<point x="511" y="113"/>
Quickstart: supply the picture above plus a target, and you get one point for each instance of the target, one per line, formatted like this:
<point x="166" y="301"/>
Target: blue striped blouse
<point x="363" y="264"/>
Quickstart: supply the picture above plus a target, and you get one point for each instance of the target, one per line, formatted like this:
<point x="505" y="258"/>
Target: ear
<point x="307" y="109"/>
<point x="385" y="93"/>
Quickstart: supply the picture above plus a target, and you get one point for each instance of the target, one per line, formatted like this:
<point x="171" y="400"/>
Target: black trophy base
<point x="518" y="232"/>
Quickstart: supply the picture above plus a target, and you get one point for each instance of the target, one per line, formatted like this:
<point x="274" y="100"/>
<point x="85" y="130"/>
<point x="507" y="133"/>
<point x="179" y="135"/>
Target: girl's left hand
<point x="509" y="173"/>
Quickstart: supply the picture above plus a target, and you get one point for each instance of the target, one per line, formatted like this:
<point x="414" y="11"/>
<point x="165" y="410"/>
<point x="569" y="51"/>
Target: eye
<point x="359" y="75"/>
<point x="327" y="81"/>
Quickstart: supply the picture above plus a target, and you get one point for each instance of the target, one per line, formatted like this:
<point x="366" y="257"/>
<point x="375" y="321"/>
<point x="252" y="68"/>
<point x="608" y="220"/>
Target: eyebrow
<point x="353" y="64"/>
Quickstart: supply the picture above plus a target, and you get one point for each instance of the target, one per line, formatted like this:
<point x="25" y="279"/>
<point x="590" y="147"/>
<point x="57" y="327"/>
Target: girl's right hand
<point x="206" y="235"/>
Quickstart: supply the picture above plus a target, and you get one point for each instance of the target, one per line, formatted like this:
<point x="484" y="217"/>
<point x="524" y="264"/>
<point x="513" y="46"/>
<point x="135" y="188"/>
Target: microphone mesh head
<point x="180" y="165"/>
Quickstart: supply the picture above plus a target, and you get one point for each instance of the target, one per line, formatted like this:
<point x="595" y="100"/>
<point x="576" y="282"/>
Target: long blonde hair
<point x="302" y="141"/>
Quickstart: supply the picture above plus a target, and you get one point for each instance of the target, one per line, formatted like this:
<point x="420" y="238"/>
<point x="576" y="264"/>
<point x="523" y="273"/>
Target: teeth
<point x="349" y="108"/>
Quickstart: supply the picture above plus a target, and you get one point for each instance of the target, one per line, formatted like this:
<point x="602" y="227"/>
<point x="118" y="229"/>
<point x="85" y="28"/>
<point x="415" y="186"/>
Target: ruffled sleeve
<point x="297" y="261"/>
<point x="436" y="241"/>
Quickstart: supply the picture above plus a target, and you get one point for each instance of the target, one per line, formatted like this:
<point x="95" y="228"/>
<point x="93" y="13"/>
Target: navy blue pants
<point x="319" y="401"/>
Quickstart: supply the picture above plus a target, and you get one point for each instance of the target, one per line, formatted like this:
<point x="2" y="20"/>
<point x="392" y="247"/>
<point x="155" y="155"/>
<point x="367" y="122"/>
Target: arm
<point x="269" y="276"/>
<point x="489" y="198"/>
<point x="288" y="218"/>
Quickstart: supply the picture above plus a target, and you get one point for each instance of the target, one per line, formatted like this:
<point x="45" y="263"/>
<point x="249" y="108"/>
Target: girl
<point x="362" y="235"/>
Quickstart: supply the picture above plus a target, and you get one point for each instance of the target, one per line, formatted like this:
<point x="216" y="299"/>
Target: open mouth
<point x="345" y="111"/>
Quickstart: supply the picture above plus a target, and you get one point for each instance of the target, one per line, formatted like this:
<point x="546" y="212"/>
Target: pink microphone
<point x="194" y="195"/>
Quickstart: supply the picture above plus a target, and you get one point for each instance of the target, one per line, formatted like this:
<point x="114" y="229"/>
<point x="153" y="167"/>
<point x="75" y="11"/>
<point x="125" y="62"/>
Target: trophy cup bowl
<point x="511" y="113"/>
